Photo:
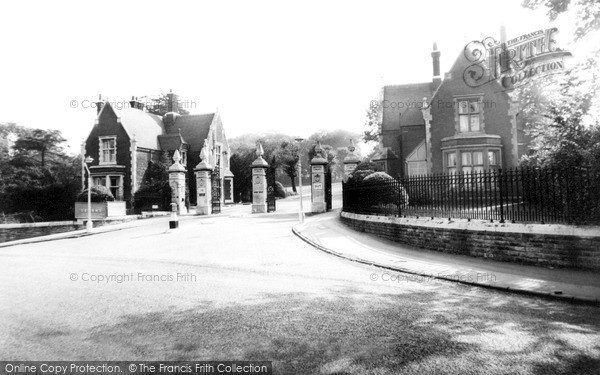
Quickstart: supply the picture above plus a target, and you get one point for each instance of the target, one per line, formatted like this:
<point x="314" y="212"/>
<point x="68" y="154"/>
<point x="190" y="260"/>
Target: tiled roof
<point x="150" y="131"/>
<point x="404" y="102"/>
<point x="170" y="142"/>
<point x="144" y="126"/>
<point x="194" y="129"/>
<point x="385" y="154"/>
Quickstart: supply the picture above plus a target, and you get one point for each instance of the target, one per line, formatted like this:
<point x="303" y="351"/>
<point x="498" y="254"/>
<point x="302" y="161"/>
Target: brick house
<point x="446" y="126"/>
<point x="123" y="143"/>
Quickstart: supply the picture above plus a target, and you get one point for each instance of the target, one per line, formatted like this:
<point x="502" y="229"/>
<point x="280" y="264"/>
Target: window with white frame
<point x="114" y="185"/>
<point x="113" y="182"/>
<point x="451" y="162"/>
<point x="472" y="161"/>
<point x="494" y="159"/>
<point x="469" y="115"/>
<point x="108" y="150"/>
<point x="100" y="181"/>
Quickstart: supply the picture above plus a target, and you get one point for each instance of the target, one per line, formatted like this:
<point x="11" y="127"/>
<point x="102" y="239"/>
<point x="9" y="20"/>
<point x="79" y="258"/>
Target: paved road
<point x="249" y="289"/>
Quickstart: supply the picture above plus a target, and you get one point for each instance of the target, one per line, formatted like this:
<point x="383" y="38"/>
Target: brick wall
<point x="143" y="158"/>
<point x="514" y="245"/>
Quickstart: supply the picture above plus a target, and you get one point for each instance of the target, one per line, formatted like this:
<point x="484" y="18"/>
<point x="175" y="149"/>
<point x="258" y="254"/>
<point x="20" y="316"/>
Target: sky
<point x="290" y="67"/>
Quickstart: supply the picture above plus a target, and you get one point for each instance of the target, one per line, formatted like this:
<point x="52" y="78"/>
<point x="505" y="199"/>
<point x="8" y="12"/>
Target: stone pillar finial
<point x="259" y="150"/>
<point x="176" y="157"/>
<point x="351" y="148"/>
<point x="319" y="149"/>
<point x="204" y="153"/>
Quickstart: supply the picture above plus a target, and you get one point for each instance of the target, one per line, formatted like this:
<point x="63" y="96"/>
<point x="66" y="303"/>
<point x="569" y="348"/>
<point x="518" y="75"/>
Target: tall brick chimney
<point x="172" y="102"/>
<point x="435" y="55"/>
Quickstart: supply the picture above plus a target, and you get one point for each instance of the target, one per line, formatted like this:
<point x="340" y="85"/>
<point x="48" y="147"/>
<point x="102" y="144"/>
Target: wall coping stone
<point x="481" y="225"/>
<point x="38" y="225"/>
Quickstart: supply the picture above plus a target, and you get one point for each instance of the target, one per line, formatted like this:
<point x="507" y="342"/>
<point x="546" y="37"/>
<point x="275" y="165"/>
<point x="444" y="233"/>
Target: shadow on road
<point x="356" y="332"/>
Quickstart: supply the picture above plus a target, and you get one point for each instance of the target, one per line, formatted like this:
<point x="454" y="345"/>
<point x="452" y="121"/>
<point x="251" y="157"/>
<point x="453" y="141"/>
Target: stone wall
<point x="531" y="244"/>
<point x="12" y="232"/>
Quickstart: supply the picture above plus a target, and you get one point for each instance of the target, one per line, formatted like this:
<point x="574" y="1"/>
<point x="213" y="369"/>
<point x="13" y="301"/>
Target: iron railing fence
<point x="518" y="195"/>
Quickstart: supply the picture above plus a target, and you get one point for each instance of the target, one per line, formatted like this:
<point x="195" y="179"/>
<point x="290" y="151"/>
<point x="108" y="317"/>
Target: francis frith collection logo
<point x="515" y="61"/>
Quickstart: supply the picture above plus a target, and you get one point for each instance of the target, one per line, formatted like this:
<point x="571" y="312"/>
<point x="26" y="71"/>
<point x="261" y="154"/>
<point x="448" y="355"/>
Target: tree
<point x="585" y="13"/>
<point x="38" y="180"/>
<point x="240" y="165"/>
<point x="287" y="156"/>
<point x="43" y="142"/>
<point x="336" y="144"/>
<point x="159" y="104"/>
<point x="561" y="112"/>
<point x="372" y="130"/>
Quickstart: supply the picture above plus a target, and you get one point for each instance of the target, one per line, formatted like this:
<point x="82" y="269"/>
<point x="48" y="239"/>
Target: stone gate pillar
<point x="317" y="174"/>
<point x="351" y="161"/>
<point x="259" y="182"/>
<point x="177" y="184"/>
<point x="203" y="185"/>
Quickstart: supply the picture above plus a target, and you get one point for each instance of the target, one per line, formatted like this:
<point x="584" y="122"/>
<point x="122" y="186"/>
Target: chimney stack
<point x="435" y="55"/>
<point x="172" y="102"/>
<point x="135" y="103"/>
<point x="99" y="104"/>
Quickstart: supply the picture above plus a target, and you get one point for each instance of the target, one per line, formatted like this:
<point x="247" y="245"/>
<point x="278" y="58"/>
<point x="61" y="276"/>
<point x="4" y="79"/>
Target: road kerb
<point x="562" y="297"/>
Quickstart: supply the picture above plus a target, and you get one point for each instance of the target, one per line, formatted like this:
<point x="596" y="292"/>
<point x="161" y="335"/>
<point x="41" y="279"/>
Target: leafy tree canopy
<point x="159" y="104"/>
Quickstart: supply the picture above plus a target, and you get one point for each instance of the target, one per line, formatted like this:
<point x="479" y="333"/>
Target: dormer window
<point x="108" y="150"/>
<point x="469" y="115"/>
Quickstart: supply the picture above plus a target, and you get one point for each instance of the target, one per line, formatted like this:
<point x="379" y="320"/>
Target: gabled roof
<point x="194" y="129"/>
<point x="170" y="142"/>
<point x="150" y="131"/>
<point x="144" y="126"/>
<point x="457" y="72"/>
<point x="404" y="102"/>
<point x="385" y="154"/>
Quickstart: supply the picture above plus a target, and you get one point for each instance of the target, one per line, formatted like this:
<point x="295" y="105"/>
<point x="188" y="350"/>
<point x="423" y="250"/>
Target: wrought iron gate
<point x="328" y="204"/>
<point x="271" y="205"/>
<point x="215" y="178"/>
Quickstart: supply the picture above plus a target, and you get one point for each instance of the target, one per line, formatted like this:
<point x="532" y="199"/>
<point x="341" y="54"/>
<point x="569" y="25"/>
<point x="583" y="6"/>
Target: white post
<point x="89" y="225"/>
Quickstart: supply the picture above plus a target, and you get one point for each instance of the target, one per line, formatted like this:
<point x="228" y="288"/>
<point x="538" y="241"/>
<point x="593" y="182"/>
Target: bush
<point x="99" y="194"/>
<point x="378" y="176"/>
<point x="359" y="175"/>
<point x="385" y="190"/>
<point x="157" y="193"/>
<point x="367" y="165"/>
<point x="279" y="190"/>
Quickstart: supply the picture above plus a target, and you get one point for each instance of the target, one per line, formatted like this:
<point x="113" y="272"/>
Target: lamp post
<point x="89" y="225"/>
<point x="301" y="212"/>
